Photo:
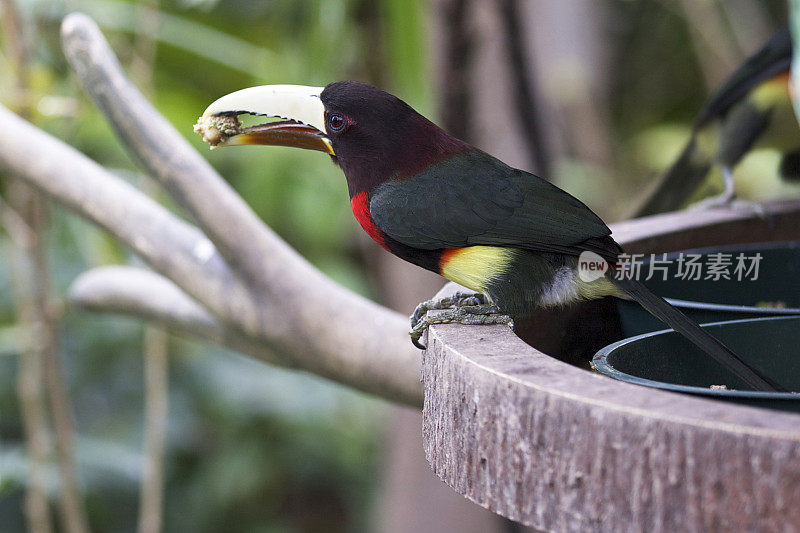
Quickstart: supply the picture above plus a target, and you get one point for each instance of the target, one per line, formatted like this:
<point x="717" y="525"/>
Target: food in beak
<point x="227" y="130"/>
<point x="299" y="106"/>
<point x="217" y="129"/>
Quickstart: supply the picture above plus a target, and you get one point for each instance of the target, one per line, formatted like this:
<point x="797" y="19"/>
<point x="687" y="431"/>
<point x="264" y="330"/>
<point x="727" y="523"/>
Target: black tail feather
<point x="672" y="317"/>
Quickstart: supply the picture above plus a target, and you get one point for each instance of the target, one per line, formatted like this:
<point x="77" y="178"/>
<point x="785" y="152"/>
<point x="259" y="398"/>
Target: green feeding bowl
<point x="775" y="291"/>
<point x="667" y="360"/>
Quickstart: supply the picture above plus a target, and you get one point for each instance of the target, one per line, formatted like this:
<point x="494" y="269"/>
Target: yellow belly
<point x="474" y="266"/>
<point x="783" y="132"/>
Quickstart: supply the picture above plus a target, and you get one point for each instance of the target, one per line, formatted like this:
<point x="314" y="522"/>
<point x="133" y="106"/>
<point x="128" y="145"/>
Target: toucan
<point x="446" y="206"/>
<point x="752" y="109"/>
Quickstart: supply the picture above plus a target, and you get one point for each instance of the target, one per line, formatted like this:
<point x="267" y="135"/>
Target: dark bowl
<point x="667" y="360"/>
<point x="775" y="292"/>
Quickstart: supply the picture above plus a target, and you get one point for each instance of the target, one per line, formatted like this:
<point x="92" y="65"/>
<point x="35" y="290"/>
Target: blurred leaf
<point x="407" y="51"/>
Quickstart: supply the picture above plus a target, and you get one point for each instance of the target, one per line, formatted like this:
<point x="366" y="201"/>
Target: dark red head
<point x="377" y="137"/>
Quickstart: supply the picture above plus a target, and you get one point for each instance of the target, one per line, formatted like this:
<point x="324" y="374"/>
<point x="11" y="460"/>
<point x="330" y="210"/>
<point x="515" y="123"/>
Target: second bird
<point x="752" y="110"/>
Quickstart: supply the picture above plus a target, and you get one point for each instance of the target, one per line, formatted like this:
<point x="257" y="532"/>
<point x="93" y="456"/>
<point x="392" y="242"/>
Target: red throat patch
<point x="360" y="205"/>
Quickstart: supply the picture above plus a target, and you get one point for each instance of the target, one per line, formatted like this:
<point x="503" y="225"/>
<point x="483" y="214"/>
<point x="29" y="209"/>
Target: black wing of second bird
<point x="686" y="174"/>
<point x="775" y="57"/>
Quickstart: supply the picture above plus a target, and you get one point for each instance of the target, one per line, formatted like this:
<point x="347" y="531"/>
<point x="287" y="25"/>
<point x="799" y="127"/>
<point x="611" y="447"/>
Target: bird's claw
<point x="751" y="207"/>
<point x="729" y="202"/>
<point x="726" y="199"/>
<point x="480" y="314"/>
<point x="457" y="299"/>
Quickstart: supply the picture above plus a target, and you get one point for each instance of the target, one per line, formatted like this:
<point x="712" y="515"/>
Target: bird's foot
<point x="457" y="299"/>
<point x="726" y="199"/>
<point x="730" y="202"/>
<point x="749" y="207"/>
<point x="475" y="314"/>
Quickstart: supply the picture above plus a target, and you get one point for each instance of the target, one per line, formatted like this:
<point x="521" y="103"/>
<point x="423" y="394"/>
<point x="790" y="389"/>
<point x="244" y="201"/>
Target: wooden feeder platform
<point x="562" y="448"/>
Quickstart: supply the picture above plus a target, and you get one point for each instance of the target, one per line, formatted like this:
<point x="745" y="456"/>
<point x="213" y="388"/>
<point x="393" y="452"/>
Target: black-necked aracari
<point x="448" y="207"/>
<point x="752" y="109"/>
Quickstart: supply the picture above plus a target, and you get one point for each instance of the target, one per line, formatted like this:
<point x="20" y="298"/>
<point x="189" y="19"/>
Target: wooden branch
<point x="242" y="239"/>
<point x="48" y="313"/>
<point x="30" y="380"/>
<point x="174" y="248"/>
<point x="30" y="390"/>
<point x="156" y="400"/>
<point x="37" y="312"/>
<point x="308" y="319"/>
<point x="145" y="295"/>
<point x="291" y="308"/>
<point x="171" y="246"/>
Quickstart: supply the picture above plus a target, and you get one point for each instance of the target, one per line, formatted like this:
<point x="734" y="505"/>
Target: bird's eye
<point x="336" y="122"/>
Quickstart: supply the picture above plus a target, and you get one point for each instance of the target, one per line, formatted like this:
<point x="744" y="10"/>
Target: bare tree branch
<point x="302" y="314"/>
<point x="33" y="409"/>
<point x="156" y="382"/>
<point x="70" y="495"/>
<point x="15" y="225"/>
<point x="44" y="319"/>
<point x="290" y="307"/>
<point x="37" y="313"/>
<point x="171" y="160"/>
<point x="30" y="393"/>
<point x="171" y="246"/>
<point x="145" y="295"/>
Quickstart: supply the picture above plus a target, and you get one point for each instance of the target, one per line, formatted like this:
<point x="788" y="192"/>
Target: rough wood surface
<point x="564" y="449"/>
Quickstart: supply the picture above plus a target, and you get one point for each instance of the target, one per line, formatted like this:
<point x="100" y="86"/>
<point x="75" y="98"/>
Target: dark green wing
<point x="775" y="57"/>
<point x="475" y="199"/>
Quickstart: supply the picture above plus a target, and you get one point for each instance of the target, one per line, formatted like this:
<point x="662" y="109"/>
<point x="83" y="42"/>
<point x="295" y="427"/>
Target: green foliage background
<point x="252" y="448"/>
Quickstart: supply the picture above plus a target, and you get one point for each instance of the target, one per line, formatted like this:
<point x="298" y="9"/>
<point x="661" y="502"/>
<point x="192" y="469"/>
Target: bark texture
<point x="564" y="449"/>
